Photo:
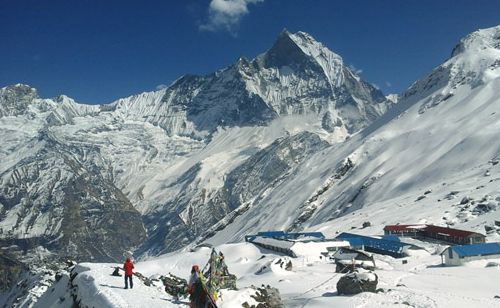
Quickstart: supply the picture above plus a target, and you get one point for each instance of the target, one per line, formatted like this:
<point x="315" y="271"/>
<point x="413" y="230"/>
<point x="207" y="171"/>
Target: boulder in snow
<point x="266" y="297"/>
<point x="277" y="265"/>
<point x="466" y="200"/>
<point x="174" y="285"/>
<point x="489" y="229"/>
<point x="483" y="208"/>
<point x="357" y="282"/>
<point x="420" y="198"/>
<point x="451" y="195"/>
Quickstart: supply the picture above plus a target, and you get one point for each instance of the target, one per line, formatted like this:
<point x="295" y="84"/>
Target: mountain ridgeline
<point x="209" y="158"/>
<point x="92" y="182"/>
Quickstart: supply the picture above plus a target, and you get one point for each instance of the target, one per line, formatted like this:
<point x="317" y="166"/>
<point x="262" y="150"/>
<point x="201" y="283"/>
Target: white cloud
<point x="388" y="84"/>
<point x="355" y="70"/>
<point x="225" y="15"/>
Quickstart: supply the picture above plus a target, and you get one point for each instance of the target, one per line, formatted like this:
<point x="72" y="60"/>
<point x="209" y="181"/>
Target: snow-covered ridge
<point x="479" y="40"/>
<point x="474" y="61"/>
<point x="22" y="99"/>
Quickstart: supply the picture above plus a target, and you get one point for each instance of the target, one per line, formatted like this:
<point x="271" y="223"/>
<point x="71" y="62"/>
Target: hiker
<point x="128" y="266"/>
<point x="198" y="297"/>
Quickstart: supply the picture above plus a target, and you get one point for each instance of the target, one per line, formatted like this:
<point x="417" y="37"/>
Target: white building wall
<point x="316" y="248"/>
<point x="481" y="257"/>
<point x="455" y="260"/>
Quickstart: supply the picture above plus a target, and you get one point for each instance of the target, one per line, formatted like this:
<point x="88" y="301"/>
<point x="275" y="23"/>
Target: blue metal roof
<point x="477" y="249"/>
<point x="353" y="241"/>
<point x="391" y="237"/>
<point x="376" y="243"/>
<point x="284" y="235"/>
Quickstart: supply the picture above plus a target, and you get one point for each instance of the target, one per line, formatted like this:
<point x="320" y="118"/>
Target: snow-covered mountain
<point x="160" y="168"/>
<point x="438" y="146"/>
<point x="291" y="140"/>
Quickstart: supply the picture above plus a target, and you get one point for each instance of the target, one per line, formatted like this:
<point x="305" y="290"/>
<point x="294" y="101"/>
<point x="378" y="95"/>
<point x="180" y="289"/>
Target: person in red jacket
<point x="128" y="266"/>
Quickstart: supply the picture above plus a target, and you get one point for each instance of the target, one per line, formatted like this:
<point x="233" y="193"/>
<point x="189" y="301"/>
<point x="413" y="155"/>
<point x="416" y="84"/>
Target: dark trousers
<point x="126" y="282"/>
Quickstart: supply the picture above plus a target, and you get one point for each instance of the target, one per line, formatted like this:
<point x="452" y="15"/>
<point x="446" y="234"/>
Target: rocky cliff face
<point x="160" y="168"/>
<point x="11" y="271"/>
<point x="61" y="200"/>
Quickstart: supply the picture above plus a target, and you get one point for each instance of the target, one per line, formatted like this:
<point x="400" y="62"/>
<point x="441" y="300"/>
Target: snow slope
<point x="422" y="282"/>
<point x="442" y="137"/>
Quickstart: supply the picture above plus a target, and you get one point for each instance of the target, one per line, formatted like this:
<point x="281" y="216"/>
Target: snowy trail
<point x="98" y="288"/>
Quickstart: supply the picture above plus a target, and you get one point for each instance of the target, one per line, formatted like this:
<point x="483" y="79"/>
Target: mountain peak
<point x="299" y="38"/>
<point x="15" y="99"/>
<point x="18" y="92"/>
<point x="300" y="49"/>
<point x="474" y="61"/>
<point x="284" y="52"/>
<point x="284" y="32"/>
<point x="19" y="88"/>
<point x="481" y="39"/>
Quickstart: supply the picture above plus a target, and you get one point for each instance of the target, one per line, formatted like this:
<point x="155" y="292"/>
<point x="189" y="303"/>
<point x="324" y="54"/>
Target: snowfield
<point x="422" y="282"/>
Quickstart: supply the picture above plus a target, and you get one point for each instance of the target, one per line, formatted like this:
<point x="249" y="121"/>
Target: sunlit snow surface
<point x="422" y="282"/>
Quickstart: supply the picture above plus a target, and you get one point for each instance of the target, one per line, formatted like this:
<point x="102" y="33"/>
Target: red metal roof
<point x="450" y="231"/>
<point x="403" y="227"/>
<point x="431" y="228"/>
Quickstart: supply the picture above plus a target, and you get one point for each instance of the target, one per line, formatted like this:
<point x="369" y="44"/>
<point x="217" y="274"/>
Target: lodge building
<point x="444" y="234"/>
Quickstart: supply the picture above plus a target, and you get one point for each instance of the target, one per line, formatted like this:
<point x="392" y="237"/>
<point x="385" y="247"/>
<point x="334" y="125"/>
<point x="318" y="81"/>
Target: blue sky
<point x="97" y="51"/>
